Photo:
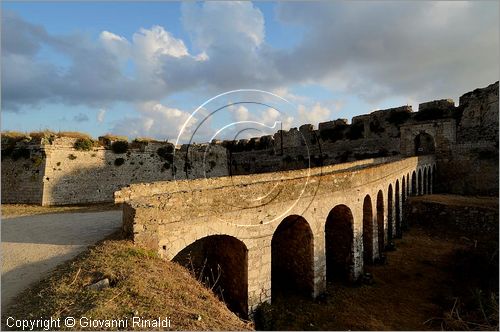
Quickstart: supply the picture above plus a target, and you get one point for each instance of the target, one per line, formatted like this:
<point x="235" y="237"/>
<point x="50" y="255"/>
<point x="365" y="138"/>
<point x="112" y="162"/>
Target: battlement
<point x="70" y="168"/>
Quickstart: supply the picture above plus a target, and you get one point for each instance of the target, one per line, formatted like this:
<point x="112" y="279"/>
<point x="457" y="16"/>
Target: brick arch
<point x="192" y="234"/>
<point x="424" y="143"/>
<point x="390" y="214"/>
<point x="419" y="181"/>
<point x="339" y="243"/>
<point x="292" y="258"/>
<point x="414" y="189"/>
<point x="221" y="263"/>
<point x="380" y="220"/>
<point x="425" y="181"/>
<point x="368" y="229"/>
<point x="408" y="186"/>
<point x="403" y="189"/>
<point x="397" y="210"/>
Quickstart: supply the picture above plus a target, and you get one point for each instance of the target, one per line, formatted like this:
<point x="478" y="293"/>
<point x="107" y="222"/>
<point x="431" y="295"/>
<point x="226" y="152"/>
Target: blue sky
<point x="140" y="69"/>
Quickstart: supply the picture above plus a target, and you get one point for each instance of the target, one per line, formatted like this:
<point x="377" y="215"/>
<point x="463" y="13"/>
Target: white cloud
<point x="368" y="49"/>
<point x="313" y="115"/>
<point x="100" y="115"/>
<point x="155" y="120"/>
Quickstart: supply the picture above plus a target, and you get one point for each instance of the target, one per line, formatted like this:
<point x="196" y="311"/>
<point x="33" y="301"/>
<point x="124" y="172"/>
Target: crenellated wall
<point x="463" y="138"/>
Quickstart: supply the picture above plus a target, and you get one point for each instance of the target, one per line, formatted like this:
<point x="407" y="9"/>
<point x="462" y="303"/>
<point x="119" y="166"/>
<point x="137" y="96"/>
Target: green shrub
<point x="119" y="161"/>
<point x="83" y="144"/>
<point x="119" y="147"/>
<point x="71" y="157"/>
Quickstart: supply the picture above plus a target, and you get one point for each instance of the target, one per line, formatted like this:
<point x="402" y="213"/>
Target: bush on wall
<point x="119" y="161"/>
<point x="83" y="144"/>
<point x="119" y="146"/>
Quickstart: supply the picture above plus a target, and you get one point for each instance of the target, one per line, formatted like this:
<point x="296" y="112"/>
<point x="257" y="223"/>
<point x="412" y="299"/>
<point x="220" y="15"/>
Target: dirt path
<point x="34" y="245"/>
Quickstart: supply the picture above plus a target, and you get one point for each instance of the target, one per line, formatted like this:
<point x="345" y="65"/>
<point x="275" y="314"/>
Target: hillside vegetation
<point x="141" y="284"/>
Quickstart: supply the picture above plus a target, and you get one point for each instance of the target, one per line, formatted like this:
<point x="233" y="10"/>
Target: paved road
<point x="33" y="245"/>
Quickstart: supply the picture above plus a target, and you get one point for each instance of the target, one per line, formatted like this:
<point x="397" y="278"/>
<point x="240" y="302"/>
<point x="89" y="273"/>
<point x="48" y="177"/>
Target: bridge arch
<point x="403" y="189"/>
<point x="429" y="180"/>
<point x="339" y="240"/>
<point x="413" y="184"/>
<point x="426" y="179"/>
<point x="434" y="175"/>
<point x="380" y="221"/>
<point x="292" y="258"/>
<point x="397" y="219"/>
<point x="221" y="263"/>
<point x="368" y="230"/>
<point x="390" y="209"/>
<point x="424" y="144"/>
<point x="420" y="182"/>
<point x="408" y="187"/>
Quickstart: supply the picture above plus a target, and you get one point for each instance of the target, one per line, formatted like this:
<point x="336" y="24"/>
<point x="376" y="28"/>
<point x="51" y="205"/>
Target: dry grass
<point x="112" y="137"/>
<point x="17" y="210"/>
<point x="146" y="140"/>
<point x="14" y="134"/>
<point x="413" y="291"/>
<point x="141" y="285"/>
<point x="73" y="134"/>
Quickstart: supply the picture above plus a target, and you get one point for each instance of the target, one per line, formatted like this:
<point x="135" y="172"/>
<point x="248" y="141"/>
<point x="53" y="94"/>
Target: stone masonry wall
<point x="472" y="220"/>
<point x="22" y="173"/>
<point x="69" y="176"/>
<point x="465" y="139"/>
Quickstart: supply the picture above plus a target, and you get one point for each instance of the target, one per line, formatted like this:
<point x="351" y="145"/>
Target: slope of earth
<point x="141" y="285"/>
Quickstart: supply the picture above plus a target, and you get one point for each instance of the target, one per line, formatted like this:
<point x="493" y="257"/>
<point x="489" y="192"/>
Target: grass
<point x="140" y="285"/>
<point x="111" y="137"/>
<point x="15" y="135"/>
<point x="17" y="210"/>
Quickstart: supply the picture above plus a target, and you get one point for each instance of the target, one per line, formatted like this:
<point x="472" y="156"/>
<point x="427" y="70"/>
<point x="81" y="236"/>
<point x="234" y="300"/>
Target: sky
<point x="169" y="70"/>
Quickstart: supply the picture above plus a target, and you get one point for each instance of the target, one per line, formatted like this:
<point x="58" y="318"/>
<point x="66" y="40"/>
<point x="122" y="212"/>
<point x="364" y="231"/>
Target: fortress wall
<point x="70" y="176"/>
<point x="22" y="174"/>
<point x="466" y="143"/>
<point x="472" y="168"/>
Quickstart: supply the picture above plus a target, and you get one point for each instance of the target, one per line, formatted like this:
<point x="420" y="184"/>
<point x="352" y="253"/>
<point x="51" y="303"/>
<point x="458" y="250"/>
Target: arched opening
<point x="413" y="183"/>
<point x="429" y="180"/>
<point x="403" y="190"/>
<point x="434" y="177"/>
<point x="221" y="263"/>
<point x="390" y="217"/>
<point x="398" y="211"/>
<point x="292" y="256"/>
<point x="408" y="191"/>
<point x="426" y="181"/>
<point x="339" y="234"/>
<point x="380" y="220"/>
<point x="368" y="229"/>
<point x="424" y="144"/>
<point x="419" y="182"/>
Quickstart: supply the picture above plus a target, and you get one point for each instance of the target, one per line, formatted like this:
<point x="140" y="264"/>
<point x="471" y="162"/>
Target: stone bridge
<point x="252" y="237"/>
